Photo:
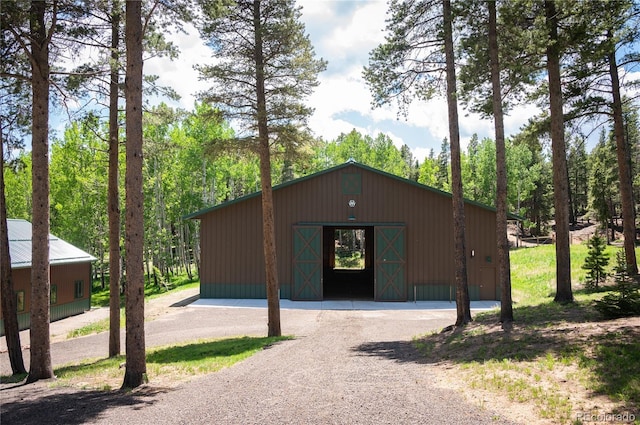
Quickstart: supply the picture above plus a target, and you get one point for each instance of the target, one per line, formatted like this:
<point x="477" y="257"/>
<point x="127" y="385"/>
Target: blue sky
<point x="343" y="32"/>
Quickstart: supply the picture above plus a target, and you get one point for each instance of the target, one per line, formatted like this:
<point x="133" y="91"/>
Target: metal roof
<point x="60" y="252"/>
<point x="350" y="162"/>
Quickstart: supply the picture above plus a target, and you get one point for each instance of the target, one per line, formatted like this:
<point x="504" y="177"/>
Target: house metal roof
<point x="60" y="252"/>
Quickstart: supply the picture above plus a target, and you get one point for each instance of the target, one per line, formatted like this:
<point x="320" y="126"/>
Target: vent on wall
<point x="351" y="183"/>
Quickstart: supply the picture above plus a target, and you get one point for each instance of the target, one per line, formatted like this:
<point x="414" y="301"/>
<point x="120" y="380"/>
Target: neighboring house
<point x="70" y="274"/>
<point x="404" y="233"/>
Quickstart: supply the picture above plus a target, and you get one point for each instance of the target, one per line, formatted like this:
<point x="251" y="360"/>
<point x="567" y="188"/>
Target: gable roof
<point x="60" y="252"/>
<point x="350" y="162"/>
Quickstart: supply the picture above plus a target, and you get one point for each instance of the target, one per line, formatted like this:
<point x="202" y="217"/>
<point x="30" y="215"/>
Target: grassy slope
<point x="100" y="297"/>
<point x="557" y="362"/>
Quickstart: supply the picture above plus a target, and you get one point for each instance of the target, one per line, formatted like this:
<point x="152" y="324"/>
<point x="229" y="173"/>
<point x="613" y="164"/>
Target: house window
<point x="20" y="299"/>
<point x="53" y="296"/>
<point x="79" y="292"/>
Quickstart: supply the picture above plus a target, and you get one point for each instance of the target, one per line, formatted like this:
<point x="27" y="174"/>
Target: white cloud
<point x="315" y="10"/>
<point x="361" y="33"/>
<point x="421" y="153"/>
<point x="180" y="73"/>
<point x="518" y="117"/>
<point x="431" y="115"/>
<point x="628" y="77"/>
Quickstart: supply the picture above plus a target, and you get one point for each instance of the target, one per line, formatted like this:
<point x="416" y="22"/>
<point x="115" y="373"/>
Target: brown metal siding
<point x="232" y="241"/>
<point x="231" y="236"/>
<point x="63" y="276"/>
<point x="481" y="237"/>
<point x="22" y="282"/>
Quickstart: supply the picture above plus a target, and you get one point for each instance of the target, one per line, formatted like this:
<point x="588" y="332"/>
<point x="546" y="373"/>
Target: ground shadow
<point x="547" y="314"/>
<point x="185" y="302"/>
<point x="537" y="330"/>
<point x="398" y="351"/>
<point x="610" y="349"/>
<point x="616" y="363"/>
<point x="457" y="346"/>
<point x="210" y="349"/>
<point x="38" y="406"/>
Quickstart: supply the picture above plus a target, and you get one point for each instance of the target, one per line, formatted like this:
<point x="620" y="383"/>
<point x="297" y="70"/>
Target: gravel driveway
<point x="343" y="367"/>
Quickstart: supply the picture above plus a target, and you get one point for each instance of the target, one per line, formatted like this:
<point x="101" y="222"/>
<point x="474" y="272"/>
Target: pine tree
<point x="442" y="172"/>
<point x="40" y="363"/>
<point x="416" y="61"/>
<point x="136" y="366"/>
<point x="265" y="68"/>
<point x="7" y="294"/>
<point x="596" y="261"/>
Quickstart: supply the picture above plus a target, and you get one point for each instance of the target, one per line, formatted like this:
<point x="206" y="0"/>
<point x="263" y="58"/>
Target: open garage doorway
<point x="348" y="262"/>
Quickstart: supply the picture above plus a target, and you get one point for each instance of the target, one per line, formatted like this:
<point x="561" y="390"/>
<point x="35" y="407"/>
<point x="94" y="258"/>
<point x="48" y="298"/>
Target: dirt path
<point x="343" y="367"/>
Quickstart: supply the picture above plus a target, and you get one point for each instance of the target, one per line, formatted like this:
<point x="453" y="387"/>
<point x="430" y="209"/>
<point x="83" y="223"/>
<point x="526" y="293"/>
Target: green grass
<point x="616" y="359"/>
<point x="12" y="379"/>
<point x="353" y="262"/>
<point x="100" y="297"/>
<point x="96" y="327"/>
<point x="166" y="365"/>
<point x="552" y="350"/>
<point x="533" y="271"/>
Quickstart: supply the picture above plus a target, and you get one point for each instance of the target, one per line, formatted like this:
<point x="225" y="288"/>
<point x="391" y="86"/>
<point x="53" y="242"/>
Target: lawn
<point x="560" y="364"/>
<point x="166" y="366"/>
<point x="100" y="296"/>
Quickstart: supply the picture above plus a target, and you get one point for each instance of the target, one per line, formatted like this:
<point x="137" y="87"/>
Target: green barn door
<point x="307" y="263"/>
<point x="390" y="264"/>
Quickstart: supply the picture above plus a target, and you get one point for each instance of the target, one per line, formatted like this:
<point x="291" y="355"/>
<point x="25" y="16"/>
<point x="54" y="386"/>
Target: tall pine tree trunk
<point x="463" y="303"/>
<point x="504" y="268"/>
<point x="268" y="221"/>
<point x="559" y="158"/>
<point x="624" y="170"/>
<point x="114" y="192"/>
<point x="9" y="301"/>
<point x="136" y="367"/>
<point x="40" y="359"/>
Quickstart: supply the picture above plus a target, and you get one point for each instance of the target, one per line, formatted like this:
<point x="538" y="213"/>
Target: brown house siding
<point x="232" y="259"/>
<point x="64" y="277"/>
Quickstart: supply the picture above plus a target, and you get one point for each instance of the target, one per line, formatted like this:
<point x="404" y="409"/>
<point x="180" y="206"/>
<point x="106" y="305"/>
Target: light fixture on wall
<point x="352" y="204"/>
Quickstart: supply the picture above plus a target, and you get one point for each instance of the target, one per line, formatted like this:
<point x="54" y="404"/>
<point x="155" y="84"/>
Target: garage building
<point x="349" y="232"/>
<point x="70" y="275"/>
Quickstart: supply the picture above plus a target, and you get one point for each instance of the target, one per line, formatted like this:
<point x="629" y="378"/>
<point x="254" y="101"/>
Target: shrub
<point x="625" y="300"/>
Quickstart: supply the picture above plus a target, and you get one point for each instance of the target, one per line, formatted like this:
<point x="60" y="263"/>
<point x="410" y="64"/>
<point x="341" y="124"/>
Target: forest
<point x="183" y="175"/>
<point x="122" y="176"/>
